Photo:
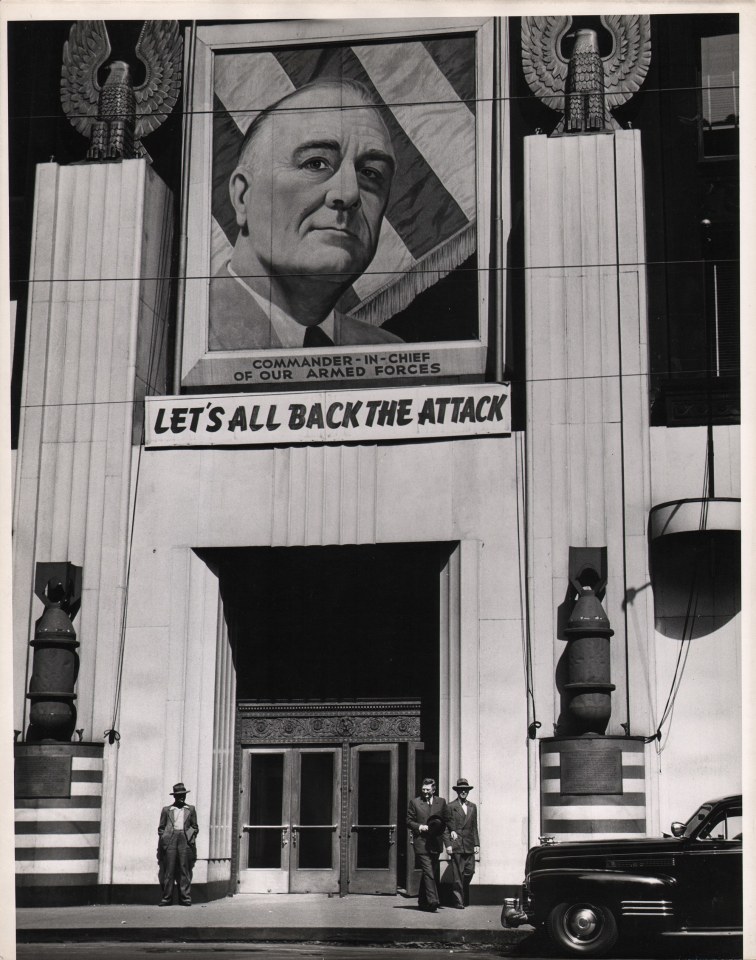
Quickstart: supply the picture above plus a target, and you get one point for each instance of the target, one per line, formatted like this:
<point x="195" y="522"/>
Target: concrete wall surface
<point x="698" y="630"/>
<point x="191" y="499"/>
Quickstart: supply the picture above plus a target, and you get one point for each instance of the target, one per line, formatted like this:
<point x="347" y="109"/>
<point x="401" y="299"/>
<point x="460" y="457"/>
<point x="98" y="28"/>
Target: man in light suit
<point x="177" y="849"/>
<point x="425" y="818"/>
<point x="310" y="191"/>
<point x="461" y="840"/>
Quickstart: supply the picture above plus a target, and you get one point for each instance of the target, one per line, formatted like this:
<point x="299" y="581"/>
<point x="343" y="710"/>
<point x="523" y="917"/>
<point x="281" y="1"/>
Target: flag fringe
<point x="399" y="292"/>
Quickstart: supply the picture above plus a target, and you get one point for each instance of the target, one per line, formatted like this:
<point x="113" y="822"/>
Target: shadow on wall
<point x="696" y="582"/>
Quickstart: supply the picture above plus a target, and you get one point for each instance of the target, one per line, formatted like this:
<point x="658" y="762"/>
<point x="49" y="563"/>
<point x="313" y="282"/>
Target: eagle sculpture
<point x="116" y="115"/>
<point x="585" y="88"/>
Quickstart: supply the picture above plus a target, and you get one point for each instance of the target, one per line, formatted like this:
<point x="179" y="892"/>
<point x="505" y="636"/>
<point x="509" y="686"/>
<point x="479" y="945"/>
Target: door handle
<point x="294" y="837"/>
<point x="284" y="837"/>
<point x="391" y="834"/>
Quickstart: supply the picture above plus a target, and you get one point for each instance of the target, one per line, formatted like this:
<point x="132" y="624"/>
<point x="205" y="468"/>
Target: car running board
<point x="702" y="933"/>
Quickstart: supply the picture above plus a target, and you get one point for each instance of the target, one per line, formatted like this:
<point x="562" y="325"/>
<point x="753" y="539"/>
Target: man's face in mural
<point x="312" y="187"/>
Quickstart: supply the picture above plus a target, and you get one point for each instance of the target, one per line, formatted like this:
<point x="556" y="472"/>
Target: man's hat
<point x="179" y="788"/>
<point x="435" y="825"/>
<point x="462" y="784"/>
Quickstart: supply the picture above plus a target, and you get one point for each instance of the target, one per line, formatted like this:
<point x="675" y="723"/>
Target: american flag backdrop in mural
<point x="428" y="89"/>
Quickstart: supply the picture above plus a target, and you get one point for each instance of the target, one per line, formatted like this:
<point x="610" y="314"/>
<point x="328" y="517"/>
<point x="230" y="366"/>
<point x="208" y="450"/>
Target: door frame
<point x="274" y="880"/>
<point x="378" y="879"/>
<point x="328" y="724"/>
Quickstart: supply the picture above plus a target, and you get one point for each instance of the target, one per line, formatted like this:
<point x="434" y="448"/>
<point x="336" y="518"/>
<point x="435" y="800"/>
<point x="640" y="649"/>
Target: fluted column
<point x="588" y="436"/>
<point x="95" y="344"/>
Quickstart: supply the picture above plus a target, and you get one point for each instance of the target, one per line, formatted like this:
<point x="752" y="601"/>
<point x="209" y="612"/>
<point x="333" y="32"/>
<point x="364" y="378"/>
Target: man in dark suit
<point x="425" y="818"/>
<point x="177" y="847"/>
<point x="309" y="192"/>
<point x="461" y="840"/>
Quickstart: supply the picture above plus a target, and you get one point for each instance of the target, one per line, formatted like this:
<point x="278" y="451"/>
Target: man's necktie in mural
<point x="585" y="86"/>
<point x="116" y="115"/>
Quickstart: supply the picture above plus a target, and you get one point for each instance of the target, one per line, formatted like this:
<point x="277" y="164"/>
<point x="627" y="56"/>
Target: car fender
<point x="555" y="884"/>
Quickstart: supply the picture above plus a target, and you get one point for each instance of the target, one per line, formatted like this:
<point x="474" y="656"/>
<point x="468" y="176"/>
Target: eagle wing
<point x="159" y="49"/>
<point x="85" y="51"/>
<point x="544" y="66"/>
<point x="626" y="66"/>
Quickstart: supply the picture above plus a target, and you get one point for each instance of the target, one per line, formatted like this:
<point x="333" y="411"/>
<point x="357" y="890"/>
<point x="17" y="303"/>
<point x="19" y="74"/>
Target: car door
<point x="712" y="874"/>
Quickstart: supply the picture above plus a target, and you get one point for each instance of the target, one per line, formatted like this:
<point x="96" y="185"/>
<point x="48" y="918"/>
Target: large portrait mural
<point x="338" y="198"/>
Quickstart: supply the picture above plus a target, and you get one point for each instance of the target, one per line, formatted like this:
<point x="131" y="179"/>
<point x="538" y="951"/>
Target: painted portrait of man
<point x="309" y="193"/>
<point x="344" y="197"/>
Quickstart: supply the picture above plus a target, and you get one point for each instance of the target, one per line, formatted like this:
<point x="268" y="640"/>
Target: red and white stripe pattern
<point x="428" y="89"/>
<point x="594" y="816"/>
<point x="58" y="840"/>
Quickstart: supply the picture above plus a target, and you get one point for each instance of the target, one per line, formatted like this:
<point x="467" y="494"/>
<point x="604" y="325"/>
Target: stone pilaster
<point x="588" y="436"/>
<point x="96" y="338"/>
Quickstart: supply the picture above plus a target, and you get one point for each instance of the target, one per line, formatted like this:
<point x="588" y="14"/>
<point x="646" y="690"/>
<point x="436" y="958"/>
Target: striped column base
<point x="593" y="788"/>
<point x="57" y="813"/>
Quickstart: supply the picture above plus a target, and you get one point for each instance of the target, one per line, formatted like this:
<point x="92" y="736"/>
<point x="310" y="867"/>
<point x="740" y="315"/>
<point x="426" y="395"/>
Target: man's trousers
<point x="428" y="894"/>
<point x="176" y="865"/>
<point x="463" y="868"/>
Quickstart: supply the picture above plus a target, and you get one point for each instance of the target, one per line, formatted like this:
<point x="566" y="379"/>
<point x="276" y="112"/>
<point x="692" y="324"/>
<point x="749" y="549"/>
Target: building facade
<point x="489" y="528"/>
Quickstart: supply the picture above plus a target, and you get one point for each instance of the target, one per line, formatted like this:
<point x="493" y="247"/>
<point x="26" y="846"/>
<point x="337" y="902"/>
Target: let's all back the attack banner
<point x="242" y="420"/>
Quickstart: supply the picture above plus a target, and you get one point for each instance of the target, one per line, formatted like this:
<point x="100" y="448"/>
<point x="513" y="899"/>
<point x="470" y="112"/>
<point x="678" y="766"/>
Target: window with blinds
<point x="725" y="320"/>
<point x="719" y="96"/>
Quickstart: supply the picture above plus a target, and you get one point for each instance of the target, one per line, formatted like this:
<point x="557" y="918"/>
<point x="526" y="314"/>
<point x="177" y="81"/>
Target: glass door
<point x="314" y="857"/>
<point x="290" y="801"/>
<point x="373" y="834"/>
<point x="265" y="831"/>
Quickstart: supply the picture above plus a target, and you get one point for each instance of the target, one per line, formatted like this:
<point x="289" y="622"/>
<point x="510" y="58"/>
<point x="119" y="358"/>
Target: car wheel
<point x="584" y="928"/>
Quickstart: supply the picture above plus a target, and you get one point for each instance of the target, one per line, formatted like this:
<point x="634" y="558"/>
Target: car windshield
<point x="698" y="817"/>
<point x="725" y="824"/>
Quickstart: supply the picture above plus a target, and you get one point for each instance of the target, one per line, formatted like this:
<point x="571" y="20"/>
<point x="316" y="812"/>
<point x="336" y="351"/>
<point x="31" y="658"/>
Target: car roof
<point x="727" y="799"/>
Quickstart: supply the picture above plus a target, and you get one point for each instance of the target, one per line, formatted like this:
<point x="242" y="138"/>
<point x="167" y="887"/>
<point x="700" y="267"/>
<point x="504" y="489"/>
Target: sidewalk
<point x="270" y="917"/>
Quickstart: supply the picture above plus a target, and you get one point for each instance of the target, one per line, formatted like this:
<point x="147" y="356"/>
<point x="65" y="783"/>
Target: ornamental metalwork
<point x="585" y="87"/>
<point x="382" y="721"/>
<point x="116" y="115"/>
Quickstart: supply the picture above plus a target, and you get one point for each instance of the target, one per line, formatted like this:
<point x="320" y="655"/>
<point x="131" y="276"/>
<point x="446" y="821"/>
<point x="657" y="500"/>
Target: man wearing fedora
<point x="177" y="849"/>
<point x="425" y="818"/>
<point x="461" y="840"/>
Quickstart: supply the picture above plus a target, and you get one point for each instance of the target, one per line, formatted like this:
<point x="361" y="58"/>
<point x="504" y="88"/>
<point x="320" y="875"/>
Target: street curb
<point x="342" y="935"/>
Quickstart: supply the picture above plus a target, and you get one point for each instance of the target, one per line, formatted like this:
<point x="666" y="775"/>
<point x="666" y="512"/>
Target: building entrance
<point x="323" y="816"/>
<point x="291" y="804"/>
<point x="336" y="662"/>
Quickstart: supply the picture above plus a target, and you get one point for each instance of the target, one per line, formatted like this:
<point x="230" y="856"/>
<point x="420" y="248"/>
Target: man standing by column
<point x="177" y="850"/>
<point x="462" y="841"/>
<point x="425" y="820"/>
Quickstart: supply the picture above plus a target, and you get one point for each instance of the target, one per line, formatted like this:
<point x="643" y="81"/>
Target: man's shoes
<point x="186" y="903"/>
<point x="429" y="908"/>
<point x="458" y="906"/>
<point x="165" y="903"/>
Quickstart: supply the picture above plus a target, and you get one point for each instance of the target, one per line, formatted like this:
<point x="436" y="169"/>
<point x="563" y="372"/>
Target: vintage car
<point x="590" y="893"/>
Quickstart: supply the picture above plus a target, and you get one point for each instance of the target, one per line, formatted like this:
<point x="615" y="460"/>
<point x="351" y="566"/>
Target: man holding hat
<point x="461" y="840"/>
<point x="177" y="849"/>
<point x="425" y="818"/>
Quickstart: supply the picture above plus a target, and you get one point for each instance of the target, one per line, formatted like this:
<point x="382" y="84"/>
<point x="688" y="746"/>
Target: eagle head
<point x="586" y="41"/>
<point x="118" y="72"/>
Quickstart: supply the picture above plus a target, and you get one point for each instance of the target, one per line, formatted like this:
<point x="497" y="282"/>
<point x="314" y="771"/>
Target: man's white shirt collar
<point x="288" y="330"/>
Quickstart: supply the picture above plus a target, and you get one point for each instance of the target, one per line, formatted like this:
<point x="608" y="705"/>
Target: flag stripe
<point x="404" y="75"/>
<point x="248" y="83"/>
<point x="227" y="140"/>
<point x="456" y="59"/>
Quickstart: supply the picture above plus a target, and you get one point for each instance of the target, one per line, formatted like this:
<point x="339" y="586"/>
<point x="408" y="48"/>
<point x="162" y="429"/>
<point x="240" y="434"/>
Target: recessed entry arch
<point x="359" y="623"/>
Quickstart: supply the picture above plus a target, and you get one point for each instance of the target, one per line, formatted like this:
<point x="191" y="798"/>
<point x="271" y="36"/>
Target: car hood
<point x="612" y="854"/>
